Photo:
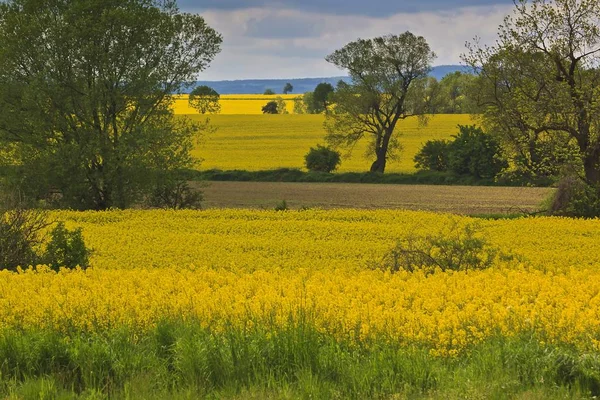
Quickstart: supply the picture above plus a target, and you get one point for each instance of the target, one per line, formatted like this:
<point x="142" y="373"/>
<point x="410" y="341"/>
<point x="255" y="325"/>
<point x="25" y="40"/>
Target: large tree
<point x="86" y="88"/>
<point x="540" y="84"/>
<point x="389" y="84"/>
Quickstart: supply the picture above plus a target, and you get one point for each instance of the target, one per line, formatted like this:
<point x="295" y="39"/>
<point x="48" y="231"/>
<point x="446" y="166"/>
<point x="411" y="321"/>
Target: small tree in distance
<point x="321" y="97"/>
<point x="205" y="99"/>
<point x="288" y="88"/>
<point x="269" y="92"/>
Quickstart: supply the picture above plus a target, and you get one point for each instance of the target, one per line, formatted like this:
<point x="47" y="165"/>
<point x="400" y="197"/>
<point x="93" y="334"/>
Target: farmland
<point x="221" y="278"/>
<point x="260" y="142"/>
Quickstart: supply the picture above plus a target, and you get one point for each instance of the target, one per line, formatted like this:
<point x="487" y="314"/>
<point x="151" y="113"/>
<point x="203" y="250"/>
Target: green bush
<point x="322" y="159"/>
<point x="472" y="152"/>
<point x="575" y="198"/>
<point x="66" y="249"/>
<point x="175" y="194"/>
<point x="433" y="156"/>
<point x="270" y="108"/>
<point x="462" y="248"/>
<point x="475" y="153"/>
<point x="20" y="236"/>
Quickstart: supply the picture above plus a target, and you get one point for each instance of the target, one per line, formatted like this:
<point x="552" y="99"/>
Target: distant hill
<point x="258" y="86"/>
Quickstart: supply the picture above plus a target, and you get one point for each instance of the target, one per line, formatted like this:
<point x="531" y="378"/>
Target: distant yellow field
<point x="259" y="142"/>
<point x="237" y="103"/>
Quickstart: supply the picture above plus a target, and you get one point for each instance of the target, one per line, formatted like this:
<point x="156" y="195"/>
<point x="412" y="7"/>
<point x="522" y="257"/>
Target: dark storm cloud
<point x="373" y="8"/>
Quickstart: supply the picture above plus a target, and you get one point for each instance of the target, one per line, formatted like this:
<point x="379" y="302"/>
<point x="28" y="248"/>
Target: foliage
<point x="182" y="360"/>
<point x="175" y="194"/>
<point x="21" y="234"/>
<point x="271" y="108"/>
<point x="282" y="206"/>
<point x="205" y="99"/>
<point x="433" y="156"/>
<point x="288" y="88"/>
<point x="475" y="153"/>
<point x="66" y="249"/>
<point x="471" y="152"/>
<point x="460" y="248"/>
<point x="100" y="135"/>
<point x="575" y="198"/>
<point x="268" y="92"/>
<point x="321" y="98"/>
<point x="322" y="159"/>
<point x="389" y="84"/>
<point x="281" y="106"/>
<point x="538" y="85"/>
<point x="454" y="96"/>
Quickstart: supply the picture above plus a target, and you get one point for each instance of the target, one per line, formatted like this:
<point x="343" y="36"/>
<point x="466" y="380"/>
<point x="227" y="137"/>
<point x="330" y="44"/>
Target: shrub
<point x="459" y="249"/>
<point x="322" y="159"/>
<point x="20" y="236"/>
<point x="433" y="156"/>
<point x="269" y="92"/>
<point x="575" y="198"/>
<point x="282" y="206"/>
<point x="176" y="194"/>
<point x="270" y="107"/>
<point x="66" y="249"/>
<point x="475" y="153"/>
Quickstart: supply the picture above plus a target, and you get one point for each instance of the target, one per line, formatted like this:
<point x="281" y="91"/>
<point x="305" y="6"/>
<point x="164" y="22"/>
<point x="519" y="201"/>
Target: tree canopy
<point x="389" y="83"/>
<point x="539" y="85"/>
<point x="85" y="95"/>
<point x="205" y="99"/>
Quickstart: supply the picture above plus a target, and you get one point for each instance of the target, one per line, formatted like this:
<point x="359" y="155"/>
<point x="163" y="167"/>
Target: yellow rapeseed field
<point x="263" y="268"/>
<point x="259" y="142"/>
<point x="248" y="140"/>
<point x="236" y="103"/>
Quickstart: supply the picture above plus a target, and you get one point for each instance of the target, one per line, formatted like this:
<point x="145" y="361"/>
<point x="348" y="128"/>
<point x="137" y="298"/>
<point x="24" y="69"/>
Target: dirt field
<point x="456" y="199"/>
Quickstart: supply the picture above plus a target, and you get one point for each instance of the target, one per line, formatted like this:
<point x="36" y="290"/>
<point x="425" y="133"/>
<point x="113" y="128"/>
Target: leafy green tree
<point x="288" y="88"/>
<point x="86" y="89"/>
<point x="269" y="92"/>
<point x="454" y="94"/>
<point x="205" y="99"/>
<point x="539" y="85"/>
<point x="270" y="108"/>
<point x="321" y="97"/>
<point x="389" y="84"/>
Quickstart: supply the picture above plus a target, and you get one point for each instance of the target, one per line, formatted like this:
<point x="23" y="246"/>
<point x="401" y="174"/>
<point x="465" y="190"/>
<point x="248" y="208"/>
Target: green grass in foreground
<point x="183" y="361"/>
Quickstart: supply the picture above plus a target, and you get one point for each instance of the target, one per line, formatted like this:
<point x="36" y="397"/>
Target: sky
<point x="272" y="39"/>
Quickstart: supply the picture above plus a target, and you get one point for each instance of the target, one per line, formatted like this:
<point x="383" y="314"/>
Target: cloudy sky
<point x="290" y="38"/>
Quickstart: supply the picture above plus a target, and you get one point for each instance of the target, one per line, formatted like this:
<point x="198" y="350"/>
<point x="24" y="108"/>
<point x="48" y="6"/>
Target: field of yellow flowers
<point x="294" y="304"/>
<point x="260" y="142"/>
<point x="241" y="268"/>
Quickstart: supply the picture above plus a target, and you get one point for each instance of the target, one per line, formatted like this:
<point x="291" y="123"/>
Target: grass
<point x="455" y="199"/>
<point x="184" y="360"/>
<point x="264" y="142"/>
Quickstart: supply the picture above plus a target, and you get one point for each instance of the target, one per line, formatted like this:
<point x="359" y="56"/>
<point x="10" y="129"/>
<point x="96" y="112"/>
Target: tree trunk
<point x="591" y="168"/>
<point x="381" y="152"/>
<point x="379" y="164"/>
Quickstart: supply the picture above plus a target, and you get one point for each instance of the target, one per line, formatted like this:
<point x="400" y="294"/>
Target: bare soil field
<point x="454" y="199"/>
